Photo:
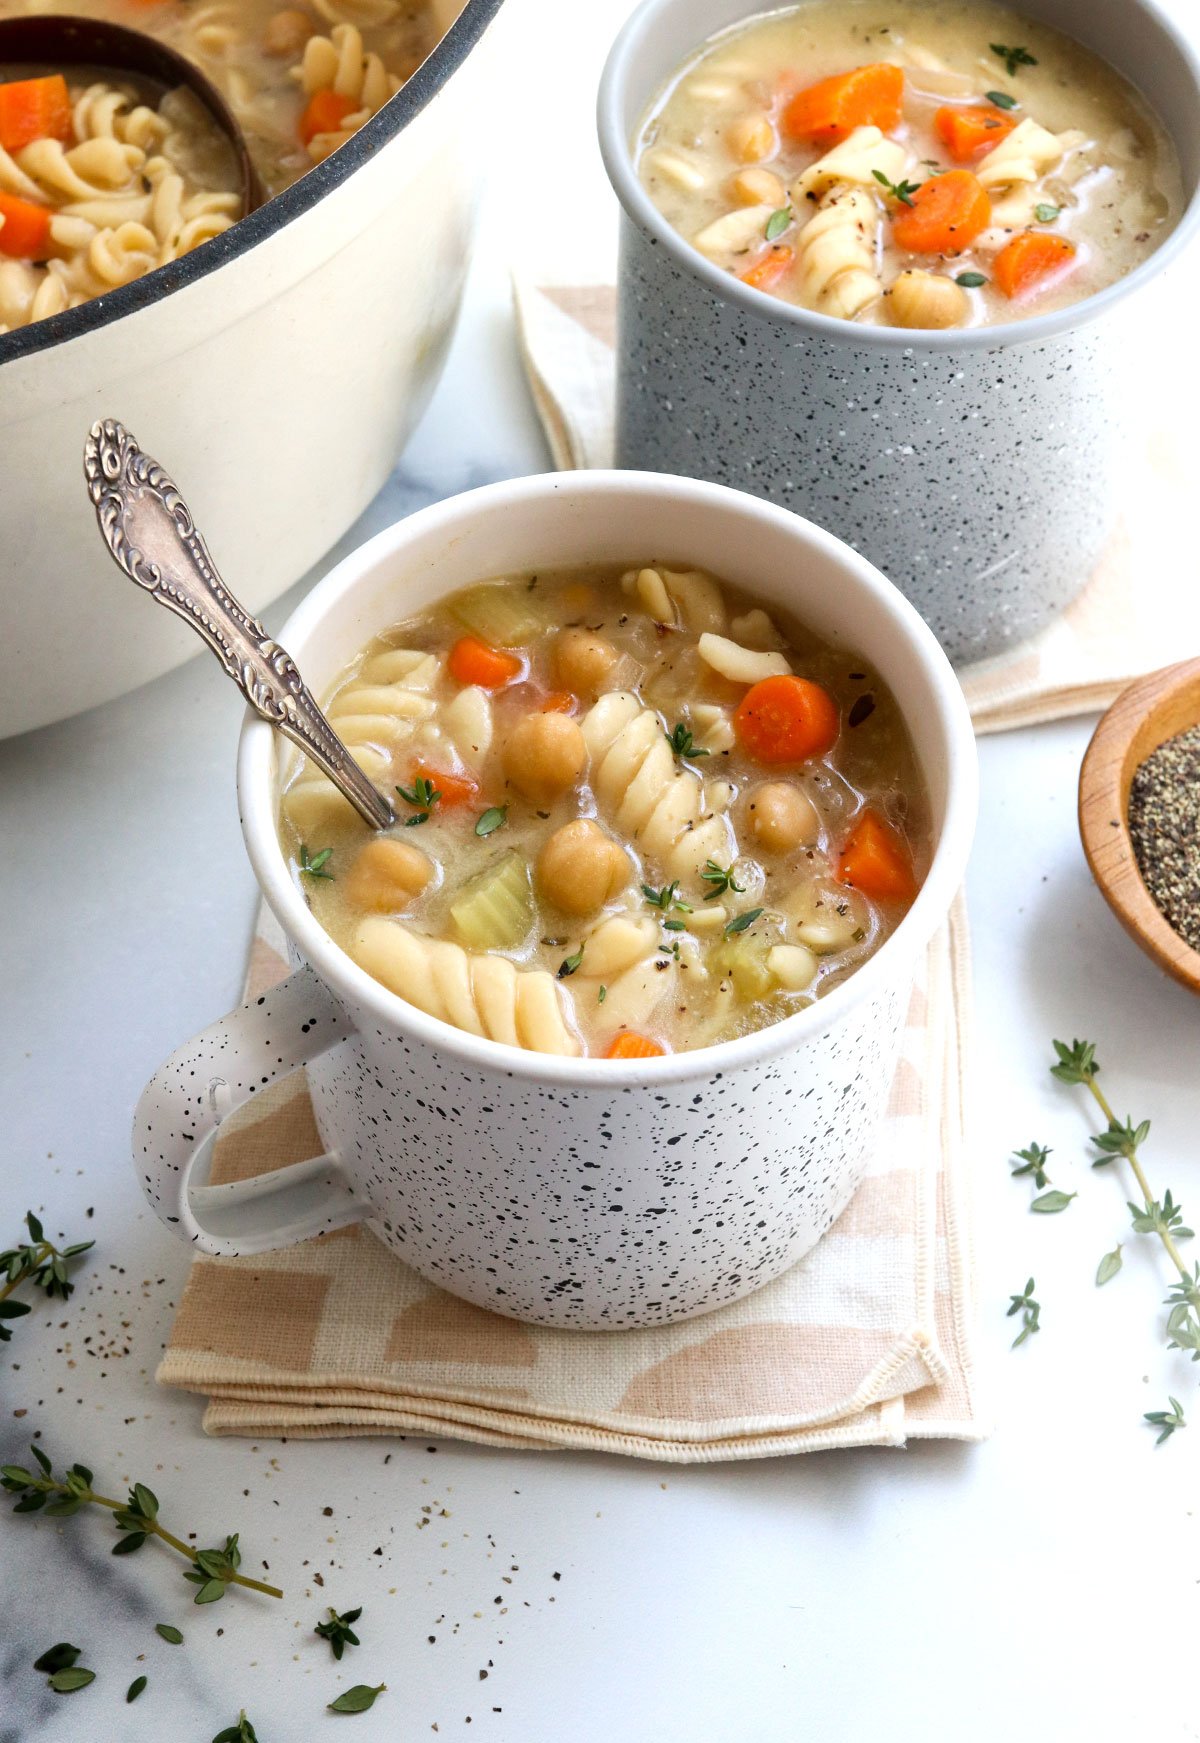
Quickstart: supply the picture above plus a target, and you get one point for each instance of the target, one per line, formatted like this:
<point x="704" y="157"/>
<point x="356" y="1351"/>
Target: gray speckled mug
<point x="570" y="1192"/>
<point x="977" y="468"/>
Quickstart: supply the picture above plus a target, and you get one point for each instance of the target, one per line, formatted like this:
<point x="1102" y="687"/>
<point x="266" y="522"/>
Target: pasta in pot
<point x="918" y="166"/>
<point x="130" y="183"/>
<point x="620" y="830"/>
<point x="128" y="188"/>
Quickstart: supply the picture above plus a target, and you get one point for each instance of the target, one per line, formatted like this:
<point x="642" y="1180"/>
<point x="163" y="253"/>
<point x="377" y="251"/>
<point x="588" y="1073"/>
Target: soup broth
<point x="918" y="164"/>
<point x="636" y="814"/>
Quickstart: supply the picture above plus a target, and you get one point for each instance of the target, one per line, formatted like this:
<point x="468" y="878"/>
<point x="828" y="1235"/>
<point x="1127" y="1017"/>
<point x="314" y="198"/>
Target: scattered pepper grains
<point x="1164" y="827"/>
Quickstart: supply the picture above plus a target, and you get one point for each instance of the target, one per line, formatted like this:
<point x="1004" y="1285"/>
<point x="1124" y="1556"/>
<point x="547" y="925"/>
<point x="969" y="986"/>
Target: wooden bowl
<point x="1143" y="717"/>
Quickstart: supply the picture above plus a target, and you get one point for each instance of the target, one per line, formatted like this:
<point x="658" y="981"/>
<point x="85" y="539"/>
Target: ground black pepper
<point x="1164" y="827"/>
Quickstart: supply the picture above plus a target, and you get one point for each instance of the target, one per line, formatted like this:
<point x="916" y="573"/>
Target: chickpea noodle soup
<point x="635" y="813"/>
<point x="927" y="165"/>
<point x="98" y="185"/>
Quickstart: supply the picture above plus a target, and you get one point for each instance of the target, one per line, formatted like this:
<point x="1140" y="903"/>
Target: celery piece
<point x="494" y="909"/>
<point x="500" y="613"/>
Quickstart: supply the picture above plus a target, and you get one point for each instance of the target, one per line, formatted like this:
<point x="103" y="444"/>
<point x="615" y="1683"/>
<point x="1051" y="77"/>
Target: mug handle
<point x="219" y="1070"/>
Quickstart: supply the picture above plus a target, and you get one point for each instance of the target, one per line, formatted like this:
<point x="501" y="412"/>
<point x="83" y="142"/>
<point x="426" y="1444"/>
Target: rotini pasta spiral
<point x="836" y="252"/>
<point x="481" y="994"/>
<point x="375" y="715"/>
<point x="1023" y="156"/>
<point x="651" y="800"/>
<point x="855" y="160"/>
<point x="339" y="63"/>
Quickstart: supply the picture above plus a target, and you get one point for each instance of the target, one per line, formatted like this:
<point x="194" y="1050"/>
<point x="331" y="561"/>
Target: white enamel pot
<point x="980" y="468"/>
<point x="279" y="370"/>
<point x="569" y="1192"/>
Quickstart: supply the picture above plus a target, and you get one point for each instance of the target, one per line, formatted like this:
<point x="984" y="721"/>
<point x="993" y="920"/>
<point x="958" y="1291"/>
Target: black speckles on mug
<point x="577" y="1208"/>
<point x="982" y="481"/>
<point x="564" y="1206"/>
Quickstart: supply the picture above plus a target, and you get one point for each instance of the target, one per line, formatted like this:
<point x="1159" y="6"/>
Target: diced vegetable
<point x="744" y="959"/>
<point x="631" y="1046"/>
<point x="474" y="662"/>
<point x="786" y="719"/>
<point x="494" y="910"/>
<point x="34" y="109"/>
<point x="558" y="702"/>
<point x="827" y="112"/>
<point x="769" y="268"/>
<point x="500" y="614"/>
<point x="1028" y="260"/>
<point x="946" y="215"/>
<point x="969" y="132"/>
<point x="453" y="789"/>
<point x="24" y="228"/>
<point x="326" y="111"/>
<point x="876" y="861"/>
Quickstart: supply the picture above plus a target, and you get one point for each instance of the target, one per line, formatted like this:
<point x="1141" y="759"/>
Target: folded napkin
<point x="1115" y="631"/>
<point x="867" y="1342"/>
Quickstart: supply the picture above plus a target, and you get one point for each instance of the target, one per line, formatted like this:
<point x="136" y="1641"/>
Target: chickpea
<point x="544" y="756"/>
<point x="582" y="660"/>
<point x="285" y="33"/>
<point x="782" y="817"/>
<point x="580" y="868"/>
<point x="758" y="187"/>
<point x="751" y="138"/>
<point x="387" y="875"/>
<point x="927" y="299"/>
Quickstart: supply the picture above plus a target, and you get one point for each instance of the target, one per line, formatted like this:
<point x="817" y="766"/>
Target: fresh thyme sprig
<point x="1029" y="1309"/>
<point x="339" y="1630"/>
<point x="902" y="191"/>
<point x="39" y="1263"/>
<point x="315" y="867"/>
<point x="422" y="796"/>
<point x="668" y="899"/>
<point x="1013" y="57"/>
<point x="1033" y="1161"/>
<point x="212" y="1570"/>
<point x="1166" y="1421"/>
<point x="242" y="1732"/>
<point x="682" y="743"/>
<point x="1122" y="1139"/>
<point x="720" y="880"/>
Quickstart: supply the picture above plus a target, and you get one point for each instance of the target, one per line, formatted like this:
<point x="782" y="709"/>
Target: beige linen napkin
<point x="1138" y="612"/>
<point x="867" y="1342"/>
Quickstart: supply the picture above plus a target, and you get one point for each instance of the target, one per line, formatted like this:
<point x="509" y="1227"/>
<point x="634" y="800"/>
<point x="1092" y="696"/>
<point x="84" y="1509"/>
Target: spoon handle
<point x="151" y="535"/>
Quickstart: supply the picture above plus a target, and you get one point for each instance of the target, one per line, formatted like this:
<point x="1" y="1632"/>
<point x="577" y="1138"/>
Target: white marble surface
<point x="1026" y="1587"/>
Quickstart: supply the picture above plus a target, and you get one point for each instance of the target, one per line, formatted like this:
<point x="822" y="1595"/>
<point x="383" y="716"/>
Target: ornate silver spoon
<point x="150" y="534"/>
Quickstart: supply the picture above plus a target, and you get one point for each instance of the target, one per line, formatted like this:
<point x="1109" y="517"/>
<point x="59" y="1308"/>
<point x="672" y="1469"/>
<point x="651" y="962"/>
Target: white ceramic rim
<point x="616" y="151"/>
<point x="256" y="801"/>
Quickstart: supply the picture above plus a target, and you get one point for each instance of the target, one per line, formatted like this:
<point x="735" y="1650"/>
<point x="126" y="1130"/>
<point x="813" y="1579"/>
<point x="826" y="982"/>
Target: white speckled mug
<point x="586" y="1193"/>
<point x="978" y="468"/>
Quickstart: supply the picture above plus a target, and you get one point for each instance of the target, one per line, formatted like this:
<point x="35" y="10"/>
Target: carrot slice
<point x="769" y="268"/>
<point x="557" y="702"/>
<point x="1028" y="260"/>
<point x="631" y="1046"/>
<point x="786" y="719"/>
<point x="865" y="97"/>
<point x="34" y="109"/>
<point x="876" y="861"/>
<point x="947" y="213"/>
<point x="326" y="111"/>
<point x="24" y="228"/>
<point x="453" y="789"/>
<point x="969" y="132"/>
<point x="474" y="662"/>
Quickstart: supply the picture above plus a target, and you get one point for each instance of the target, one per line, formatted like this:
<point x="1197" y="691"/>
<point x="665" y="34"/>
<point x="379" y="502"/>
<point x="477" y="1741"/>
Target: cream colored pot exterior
<point x="278" y="387"/>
